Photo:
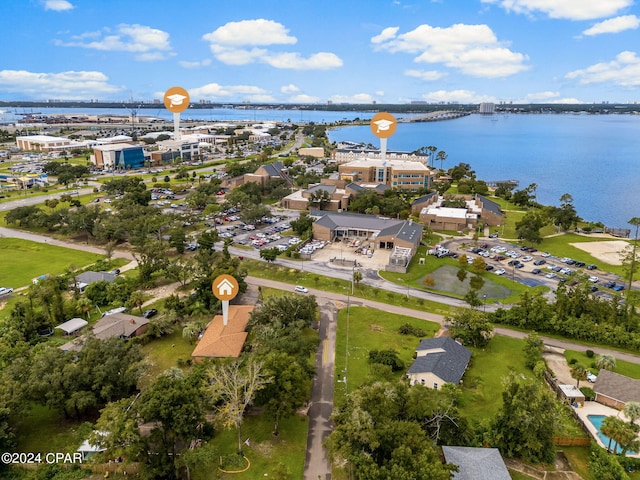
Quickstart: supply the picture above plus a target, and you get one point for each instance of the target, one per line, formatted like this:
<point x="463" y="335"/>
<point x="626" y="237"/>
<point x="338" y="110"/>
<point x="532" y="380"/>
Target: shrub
<point x="588" y="393"/>
<point x="408" y="329"/>
<point x="590" y="353"/>
<point x="573" y="361"/>
<point x="386" y="357"/>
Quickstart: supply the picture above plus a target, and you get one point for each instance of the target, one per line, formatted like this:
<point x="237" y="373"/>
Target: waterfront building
<point x="400" y="174"/>
<point x="45" y="143"/>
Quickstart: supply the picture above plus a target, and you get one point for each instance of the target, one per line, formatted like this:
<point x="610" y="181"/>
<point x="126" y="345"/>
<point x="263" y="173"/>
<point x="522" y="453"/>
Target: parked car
<point x="499" y="271"/>
<point x="5" y="290"/>
<point x="609" y="284"/>
<point x="493" y="235"/>
<point x="591" y="377"/>
<point x="618" y="288"/>
<point x="591" y="266"/>
<point x="540" y="262"/>
<point x="536" y="271"/>
<point x="488" y="268"/>
<point x="301" y="289"/>
<point x="150" y="313"/>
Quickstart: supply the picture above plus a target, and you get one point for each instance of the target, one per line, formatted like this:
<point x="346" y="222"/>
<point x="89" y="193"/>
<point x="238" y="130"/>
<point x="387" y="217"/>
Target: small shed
<point x="571" y="394"/>
<point x="71" y="326"/>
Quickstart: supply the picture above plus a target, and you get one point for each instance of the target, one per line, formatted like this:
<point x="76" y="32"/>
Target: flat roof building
<point x="400" y="174"/>
<point x="118" y="156"/>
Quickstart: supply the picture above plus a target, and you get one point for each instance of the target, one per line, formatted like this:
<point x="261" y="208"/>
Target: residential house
<point x="220" y="340"/>
<point x="438" y="361"/>
<point x="122" y="325"/>
<point x="476" y="463"/>
<point x="616" y="390"/>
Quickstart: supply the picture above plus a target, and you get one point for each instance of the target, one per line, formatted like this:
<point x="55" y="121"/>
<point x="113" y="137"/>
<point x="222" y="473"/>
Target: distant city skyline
<point x="395" y="52"/>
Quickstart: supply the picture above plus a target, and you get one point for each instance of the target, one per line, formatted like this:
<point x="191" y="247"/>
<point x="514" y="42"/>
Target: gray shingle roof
<point x="617" y="386"/>
<point x="424" y="198"/>
<point x="274" y="169"/>
<point x="490" y="205"/>
<point x="330" y="189"/>
<point x="449" y="365"/>
<point x="476" y="463"/>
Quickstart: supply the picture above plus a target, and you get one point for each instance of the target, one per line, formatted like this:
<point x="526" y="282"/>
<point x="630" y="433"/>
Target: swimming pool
<point x="596" y="421"/>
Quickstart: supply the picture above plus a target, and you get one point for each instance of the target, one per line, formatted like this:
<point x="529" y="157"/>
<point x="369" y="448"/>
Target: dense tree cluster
<point x="575" y="314"/>
<point x="388" y="430"/>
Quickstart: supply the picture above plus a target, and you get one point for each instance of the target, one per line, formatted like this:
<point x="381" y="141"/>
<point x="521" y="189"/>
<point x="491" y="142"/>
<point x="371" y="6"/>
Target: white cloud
<point x="58" y="5"/>
<point x="546" y="97"/>
<point x="303" y="98"/>
<point x="427" y="76"/>
<point x="251" y="32"/>
<point x="614" y="25"/>
<point x="623" y="71"/>
<point x="472" y="49"/>
<point x="380" y="93"/>
<point x="231" y="92"/>
<point x="195" y="64"/>
<point x="64" y="85"/>
<point x="357" y="98"/>
<point x="458" y="96"/>
<point x="293" y="61"/>
<point x="386" y="35"/>
<point x="245" y="42"/>
<point x="565" y="9"/>
<point x="145" y="42"/>
<point x="291" y="88"/>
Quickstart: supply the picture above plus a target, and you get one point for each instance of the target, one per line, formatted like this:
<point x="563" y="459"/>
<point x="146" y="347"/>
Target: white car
<point x="500" y="271"/>
<point x="4" y="290"/>
<point x="551" y="275"/>
<point x="545" y="254"/>
<point x="528" y="258"/>
<point x="594" y="279"/>
<point x="591" y="377"/>
<point x="301" y="289"/>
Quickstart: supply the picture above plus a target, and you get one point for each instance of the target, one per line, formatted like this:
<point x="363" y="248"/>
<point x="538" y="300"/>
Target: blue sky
<point x="349" y="51"/>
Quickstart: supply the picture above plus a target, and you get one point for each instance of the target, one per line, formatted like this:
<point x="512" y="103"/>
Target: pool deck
<point x="594" y="408"/>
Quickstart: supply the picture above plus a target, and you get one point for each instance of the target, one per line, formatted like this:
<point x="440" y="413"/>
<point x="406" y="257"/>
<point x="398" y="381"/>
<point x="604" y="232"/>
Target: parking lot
<point x="529" y="266"/>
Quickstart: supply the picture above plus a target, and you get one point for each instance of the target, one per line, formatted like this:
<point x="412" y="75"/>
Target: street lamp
<point x="484" y="306"/>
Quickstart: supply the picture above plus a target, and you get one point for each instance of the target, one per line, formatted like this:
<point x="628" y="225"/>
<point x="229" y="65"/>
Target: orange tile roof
<point x="221" y="340"/>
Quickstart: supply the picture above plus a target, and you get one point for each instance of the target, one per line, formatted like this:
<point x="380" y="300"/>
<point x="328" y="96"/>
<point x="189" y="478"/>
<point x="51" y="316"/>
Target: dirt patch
<point x="557" y="362"/>
<point x="376" y="328"/>
<point x="605" y="251"/>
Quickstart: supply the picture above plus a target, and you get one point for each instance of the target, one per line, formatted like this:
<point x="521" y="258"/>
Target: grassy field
<point x="559" y="246"/>
<point x="371" y="329"/>
<point x="631" y="370"/>
<point x="25" y="260"/>
<point x="265" y="452"/>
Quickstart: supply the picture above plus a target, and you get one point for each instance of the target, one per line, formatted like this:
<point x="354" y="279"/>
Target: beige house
<point x="346" y="155"/>
<point x="616" y="390"/>
<point x="438" y="361"/>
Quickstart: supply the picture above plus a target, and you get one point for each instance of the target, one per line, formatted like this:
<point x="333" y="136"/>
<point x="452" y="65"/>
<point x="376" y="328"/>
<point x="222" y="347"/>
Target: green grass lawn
<point x="25" y="260"/>
<point x="482" y="383"/>
<point x="265" y="451"/>
<point x="559" y="246"/>
<point x="163" y="353"/>
<point x="371" y="329"/>
<point x="628" y="369"/>
<point x="46" y="430"/>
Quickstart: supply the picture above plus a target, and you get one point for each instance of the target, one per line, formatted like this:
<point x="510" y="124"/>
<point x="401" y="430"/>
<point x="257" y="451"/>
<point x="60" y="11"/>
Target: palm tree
<point x="442" y="156"/>
<point x="632" y="411"/>
<point x="578" y="372"/>
<point x="608" y="362"/>
<point x="608" y="428"/>
<point x="357" y="276"/>
<point x="635" y="221"/>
